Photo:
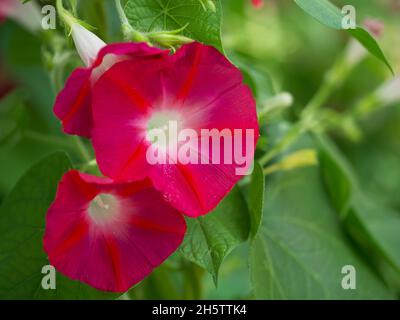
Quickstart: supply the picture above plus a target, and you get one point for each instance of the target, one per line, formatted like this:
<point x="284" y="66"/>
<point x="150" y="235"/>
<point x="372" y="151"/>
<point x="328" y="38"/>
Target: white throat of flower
<point x="104" y="208"/>
<point x="165" y="124"/>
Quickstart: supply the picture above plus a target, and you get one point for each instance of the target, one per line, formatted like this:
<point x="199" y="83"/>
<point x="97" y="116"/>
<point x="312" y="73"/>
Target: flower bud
<point x="168" y="40"/>
<point x="298" y="159"/>
<point x="87" y="43"/>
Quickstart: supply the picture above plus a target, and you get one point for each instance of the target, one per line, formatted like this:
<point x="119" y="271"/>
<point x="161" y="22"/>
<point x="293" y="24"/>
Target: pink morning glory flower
<point x="196" y="89"/>
<point x="110" y="235"/>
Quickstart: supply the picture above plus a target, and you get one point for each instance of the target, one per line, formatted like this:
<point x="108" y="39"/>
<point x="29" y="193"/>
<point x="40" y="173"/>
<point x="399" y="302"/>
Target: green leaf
<point x="209" y="239"/>
<point x="255" y="77"/>
<point x="165" y="15"/>
<point x="300" y="250"/>
<point x="371" y="224"/>
<point x="29" y="73"/>
<point x="22" y="224"/>
<point x="12" y="116"/>
<point x="330" y="15"/>
<point x="256" y="199"/>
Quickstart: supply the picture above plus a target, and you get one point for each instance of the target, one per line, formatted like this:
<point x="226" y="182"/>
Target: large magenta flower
<point x="110" y="235"/>
<point x="73" y="103"/>
<point x="197" y="89"/>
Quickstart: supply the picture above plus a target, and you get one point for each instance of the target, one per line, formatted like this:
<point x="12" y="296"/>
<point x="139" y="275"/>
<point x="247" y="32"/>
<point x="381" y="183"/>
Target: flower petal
<point x="113" y="243"/>
<point x="73" y="104"/>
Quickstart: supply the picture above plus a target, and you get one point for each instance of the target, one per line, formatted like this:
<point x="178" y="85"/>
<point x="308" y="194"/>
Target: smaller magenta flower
<point x="73" y="103"/>
<point x="109" y="235"/>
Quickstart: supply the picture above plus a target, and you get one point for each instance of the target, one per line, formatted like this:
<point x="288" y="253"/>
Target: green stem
<point x="332" y="80"/>
<point x="297" y="159"/>
<point x="366" y="106"/>
<point x="121" y="13"/>
<point x="276" y="103"/>
<point x="319" y="99"/>
<point x="85" y="166"/>
<point x="44" y="138"/>
<point x="289" y="138"/>
<point x="129" y="32"/>
<point x="64" y="14"/>
<point x="82" y="149"/>
<point x="192" y="280"/>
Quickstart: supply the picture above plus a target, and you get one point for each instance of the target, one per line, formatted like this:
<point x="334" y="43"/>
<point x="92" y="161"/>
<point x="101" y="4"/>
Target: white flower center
<point x="163" y="128"/>
<point x="103" y="208"/>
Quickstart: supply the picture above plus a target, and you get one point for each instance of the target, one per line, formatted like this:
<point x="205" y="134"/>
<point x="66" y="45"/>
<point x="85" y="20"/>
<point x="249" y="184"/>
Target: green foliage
<point x="156" y="15"/>
<point x="300" y="249"/>
<point x="370" y="223"/>
<point x="12" y="116"/>
<point x="328" y="14"/>
<point x="211" y="238"/>
<point x="256" y="198"/>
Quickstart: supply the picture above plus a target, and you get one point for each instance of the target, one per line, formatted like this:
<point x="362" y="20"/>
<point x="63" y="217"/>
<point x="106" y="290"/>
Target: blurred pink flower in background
<point x="258" y="3"/>
<point x="28" y="15"/>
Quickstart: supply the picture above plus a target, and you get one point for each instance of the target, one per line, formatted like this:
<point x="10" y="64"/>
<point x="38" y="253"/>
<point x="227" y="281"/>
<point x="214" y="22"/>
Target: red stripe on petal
<point x="187" y="85"/>
<point x="76" y="235"/>
<point x="146" y="224"/>
<point x="113" y="252"/>
<point x="135" y="96"/>
<point x="136" y="154"/>
<point x="185" y="172"/>
<point x="131" y="189"/>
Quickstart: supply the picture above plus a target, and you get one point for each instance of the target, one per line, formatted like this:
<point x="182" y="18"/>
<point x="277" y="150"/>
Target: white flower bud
<point x="87" y="43"/>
